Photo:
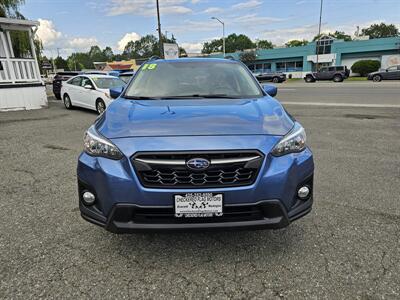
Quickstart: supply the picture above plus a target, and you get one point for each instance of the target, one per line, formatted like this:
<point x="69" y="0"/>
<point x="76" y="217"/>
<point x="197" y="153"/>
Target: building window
<point x="20" y="43"/>
<point x="260" y="67"/>
<point x="290" y="66"/>
<point x="324" y="45"/>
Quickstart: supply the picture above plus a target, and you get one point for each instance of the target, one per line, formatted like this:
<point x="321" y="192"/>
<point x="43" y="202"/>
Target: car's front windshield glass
<point x="107" y="83"/>
<point x="189" y="79"/>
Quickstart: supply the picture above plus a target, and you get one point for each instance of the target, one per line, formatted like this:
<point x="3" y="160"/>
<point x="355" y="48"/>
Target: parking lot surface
<point x="348" y="247"/>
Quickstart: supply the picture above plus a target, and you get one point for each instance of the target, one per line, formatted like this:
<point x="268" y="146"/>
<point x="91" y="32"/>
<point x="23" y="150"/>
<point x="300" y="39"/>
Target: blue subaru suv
<point x="194" y="144"/>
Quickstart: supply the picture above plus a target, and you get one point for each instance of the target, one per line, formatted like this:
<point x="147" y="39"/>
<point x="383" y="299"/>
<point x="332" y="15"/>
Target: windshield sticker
<point x="149" y="67"/>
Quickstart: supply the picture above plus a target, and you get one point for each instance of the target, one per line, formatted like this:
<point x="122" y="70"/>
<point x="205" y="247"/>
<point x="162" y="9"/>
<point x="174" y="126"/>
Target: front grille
<point x="169" y="170"/>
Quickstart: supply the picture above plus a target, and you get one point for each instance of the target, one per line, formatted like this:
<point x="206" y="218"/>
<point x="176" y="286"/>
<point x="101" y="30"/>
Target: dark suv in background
<point x="335" y="73"/>
<point x="59" y="78"/>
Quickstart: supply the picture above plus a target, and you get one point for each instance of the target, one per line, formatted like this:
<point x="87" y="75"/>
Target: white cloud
<point x="147" y="8"/>
<point x="212" y="10"/>
<point x="192" y="47"/>
<point x="53" y="39"/>
<point x="47" y="33"/>
<point x="132" y="36"/>
<point x="247" y="4"/>
<point x="81" y="43"/>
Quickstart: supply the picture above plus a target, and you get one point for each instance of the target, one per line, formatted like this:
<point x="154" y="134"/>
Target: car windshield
<point x="107" y="82"/>
<point x="189" y="79"/>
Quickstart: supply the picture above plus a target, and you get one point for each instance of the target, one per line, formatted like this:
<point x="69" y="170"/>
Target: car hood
<point x="144" y="118"/>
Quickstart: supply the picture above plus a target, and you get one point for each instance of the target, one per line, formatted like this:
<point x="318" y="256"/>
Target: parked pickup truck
<point x="335" y="73"/>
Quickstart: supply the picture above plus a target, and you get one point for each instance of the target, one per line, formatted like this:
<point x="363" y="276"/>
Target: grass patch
<point x="293" y="79"/>
<point x="357" y="79"/>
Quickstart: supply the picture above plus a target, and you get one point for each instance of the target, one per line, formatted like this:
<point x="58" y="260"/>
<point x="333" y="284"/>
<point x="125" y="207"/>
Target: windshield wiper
<point x="222" y="96"/>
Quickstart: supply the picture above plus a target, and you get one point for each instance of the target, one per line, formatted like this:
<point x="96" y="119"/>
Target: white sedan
<point x="89" y="91"/>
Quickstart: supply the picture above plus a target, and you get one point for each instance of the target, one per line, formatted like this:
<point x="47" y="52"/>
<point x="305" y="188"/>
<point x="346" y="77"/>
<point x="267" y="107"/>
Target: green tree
<point x="78" y="61"/>
<point x="264" y="44"/>
<point x="233" y="43"/>
<point x="339" y="35"/>
<point x="376" y="31"/>
<point x="363" y="67"/>
<point x="248" y="56"/>
<point x="296" y="43"/>
<point x="61" y="63"/>
<point x="108" y="54"/>
<point x="9" y="8"/>
<point x="147" y="46"/>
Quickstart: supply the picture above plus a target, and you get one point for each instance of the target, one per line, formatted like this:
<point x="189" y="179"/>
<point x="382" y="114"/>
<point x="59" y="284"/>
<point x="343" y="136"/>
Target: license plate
<point x="198" y="205"/>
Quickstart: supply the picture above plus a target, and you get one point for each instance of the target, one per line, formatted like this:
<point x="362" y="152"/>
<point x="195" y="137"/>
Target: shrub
<point x="363" y="67"/>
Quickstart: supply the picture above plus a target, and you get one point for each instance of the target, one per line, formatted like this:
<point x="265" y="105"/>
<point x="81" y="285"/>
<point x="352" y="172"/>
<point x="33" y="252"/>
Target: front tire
<point x="275" y="80"/>
<point x="377" y="78"/>
<point x="67" y="102"/>
<point x="309" y="79"/>
<point x="337" y="78"/>
<point x="100" y="106"/>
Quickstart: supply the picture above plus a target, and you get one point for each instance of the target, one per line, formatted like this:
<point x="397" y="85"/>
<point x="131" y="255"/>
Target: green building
<point x="300" y="60"/>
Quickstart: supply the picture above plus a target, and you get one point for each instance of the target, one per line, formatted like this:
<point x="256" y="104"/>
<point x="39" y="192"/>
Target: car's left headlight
<point x="97" y="145"/>
<point x="294" y="141"/>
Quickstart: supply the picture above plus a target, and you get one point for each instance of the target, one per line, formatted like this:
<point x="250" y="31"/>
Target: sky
<point x="75" y="25"/>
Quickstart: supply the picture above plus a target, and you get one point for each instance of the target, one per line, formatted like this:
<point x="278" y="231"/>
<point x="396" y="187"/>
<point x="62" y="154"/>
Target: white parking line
<point x="342" y="104"/>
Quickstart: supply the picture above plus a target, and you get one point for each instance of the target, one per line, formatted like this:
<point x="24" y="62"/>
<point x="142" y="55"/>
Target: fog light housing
<point x="303" y="192"/>
<point x="88" y="198"/>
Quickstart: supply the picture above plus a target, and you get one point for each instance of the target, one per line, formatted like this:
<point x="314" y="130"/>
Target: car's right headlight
<point x="97" y="145"/>
<point x="294" y="141"/>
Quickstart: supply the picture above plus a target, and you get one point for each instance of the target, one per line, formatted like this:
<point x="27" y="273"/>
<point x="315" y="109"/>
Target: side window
<point x="391" y="69"/>
<point x="86" y="81"/>
<point x="331" y="69"/>
<point x="323" y="69"/>
<point x="75" y="81"/>
<point x="398" y="68"/>
<point x="339" y="68"/>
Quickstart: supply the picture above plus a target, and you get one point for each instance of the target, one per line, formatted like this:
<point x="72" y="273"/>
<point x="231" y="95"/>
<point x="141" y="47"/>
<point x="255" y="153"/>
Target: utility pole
<point x="159" y="31"/>
<point x="319" y="33"/>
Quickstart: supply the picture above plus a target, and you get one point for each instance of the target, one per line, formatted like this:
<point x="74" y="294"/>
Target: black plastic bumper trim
<point x="129" y="227"/>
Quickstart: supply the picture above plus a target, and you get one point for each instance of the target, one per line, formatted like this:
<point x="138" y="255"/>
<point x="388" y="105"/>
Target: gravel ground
<point x="347" y="247"/>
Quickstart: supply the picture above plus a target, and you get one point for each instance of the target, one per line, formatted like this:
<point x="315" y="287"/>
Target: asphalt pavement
<point x="348" y="247"/>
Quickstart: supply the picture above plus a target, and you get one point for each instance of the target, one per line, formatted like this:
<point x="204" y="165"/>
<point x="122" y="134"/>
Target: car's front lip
<point x="282" y="219"/>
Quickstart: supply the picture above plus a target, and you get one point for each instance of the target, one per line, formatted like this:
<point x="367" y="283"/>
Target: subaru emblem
<point x="198" y="164"/>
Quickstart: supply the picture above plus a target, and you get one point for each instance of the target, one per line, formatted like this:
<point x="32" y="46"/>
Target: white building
<point x="21" y="86"/>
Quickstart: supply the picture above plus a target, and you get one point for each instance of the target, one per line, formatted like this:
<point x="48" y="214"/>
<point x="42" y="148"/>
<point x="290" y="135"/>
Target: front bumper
<point x="272" y="215"/>
<point x="123" y="202"/>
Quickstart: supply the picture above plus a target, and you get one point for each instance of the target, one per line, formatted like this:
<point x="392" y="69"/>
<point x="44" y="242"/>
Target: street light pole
<point x="319" y="32"/>
<point x="223" y="33"/>
<point x="159" y="31"/>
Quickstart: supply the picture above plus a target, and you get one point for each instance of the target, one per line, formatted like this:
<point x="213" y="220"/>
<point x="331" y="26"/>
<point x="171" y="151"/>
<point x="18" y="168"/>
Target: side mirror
<point x="270" y="90"/>
<point x="116" y="92"/>
<point x="88" y="87"/>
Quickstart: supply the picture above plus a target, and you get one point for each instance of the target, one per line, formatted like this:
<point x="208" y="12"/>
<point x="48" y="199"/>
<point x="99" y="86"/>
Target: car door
<point x="72" y="89"/>
<point x="391" y="73"/>
<point x="398" y="72"/>
<point x="322" y="74"/>
<point x="87" y="95"/>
